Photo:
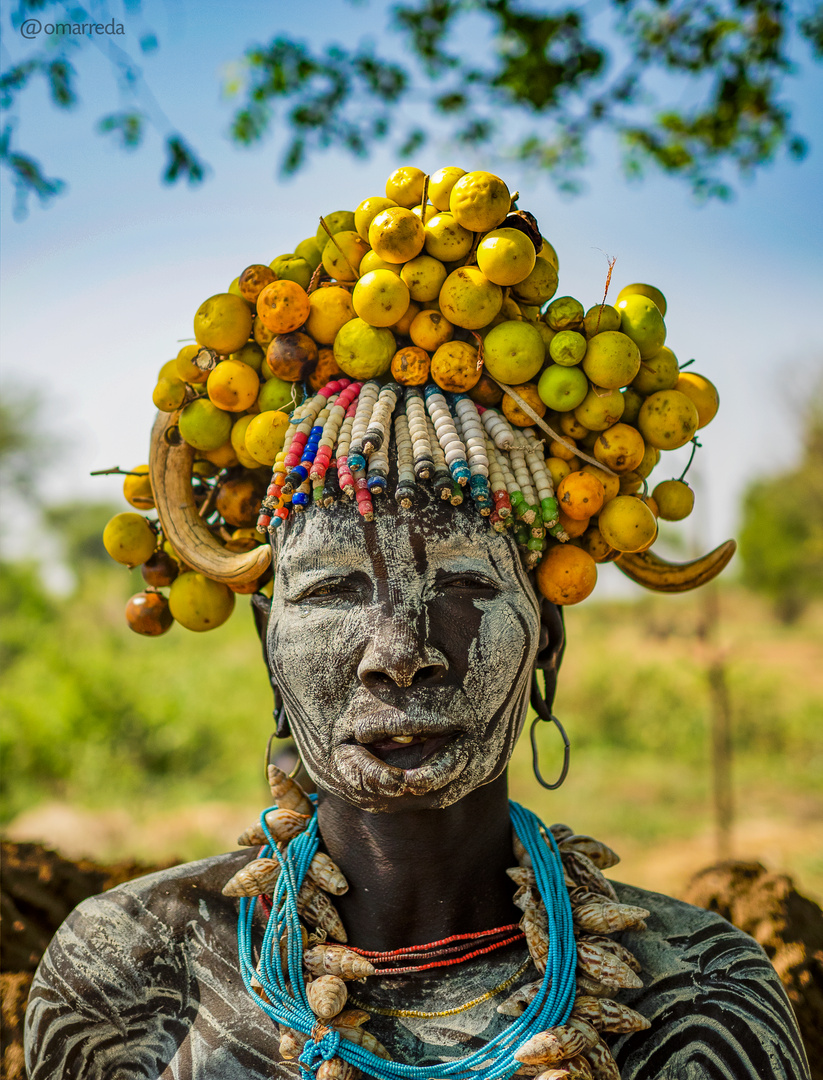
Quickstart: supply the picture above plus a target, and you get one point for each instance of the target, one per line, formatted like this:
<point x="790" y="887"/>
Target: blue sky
<point x="99" y="288"/>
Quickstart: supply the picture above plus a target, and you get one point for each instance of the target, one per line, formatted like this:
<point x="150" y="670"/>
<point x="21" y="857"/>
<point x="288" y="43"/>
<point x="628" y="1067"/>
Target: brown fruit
<point x="486" y="392"/>
<point x="148" y="613"/>
<point x="160" y="570"/>
<point x="326" y="369"/>
<point x="292" y="357"/>
<point x="253" y="281"/>
<point x="238" y="501"/>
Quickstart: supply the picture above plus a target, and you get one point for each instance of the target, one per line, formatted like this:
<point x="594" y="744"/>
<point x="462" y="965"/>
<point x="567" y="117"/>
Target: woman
<point x="403" y="651"/>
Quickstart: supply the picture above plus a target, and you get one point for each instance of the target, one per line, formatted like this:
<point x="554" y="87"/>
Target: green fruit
<point x="562" y="388"/>
<point x="310" y="250"/>
<point x="567" y="347"/>
<point x="198" y="603"/>
<point x="655" y="295"/>
<point x="600" y="409"/>
<point x="338" y="221"/>
<point x="363" y="351"/>
<point x="293" y="268"/>
<point x="514" y="352"/>
<point x="640" y="319"/>
<point x="599" y="318"/>
<point x="631" y="405"/>
<point x="564" y="313"/>
<point x="277" y="394"/>
<point x="129" y="539"/>
<point x="169" y="394"/>
<point x="250" y="354"/>
<point x="203" y="425"/>
<point x="612" y="360"/>
<point x="539" y="286"/>
<point x="659" y="372"/>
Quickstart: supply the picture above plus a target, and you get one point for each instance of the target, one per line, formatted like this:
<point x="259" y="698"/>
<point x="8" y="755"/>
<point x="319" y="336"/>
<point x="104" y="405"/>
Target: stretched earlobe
<point x="552" y="644"/>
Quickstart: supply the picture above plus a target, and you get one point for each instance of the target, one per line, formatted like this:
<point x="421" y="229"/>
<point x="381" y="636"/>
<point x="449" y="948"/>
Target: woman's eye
<point x="339" y="589"/>
<point x="472" y="582"/>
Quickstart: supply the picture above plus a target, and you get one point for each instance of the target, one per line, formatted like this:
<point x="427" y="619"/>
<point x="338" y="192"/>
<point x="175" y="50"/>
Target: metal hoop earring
<point x="267" y="759"/>
<point x="545" y="714"/>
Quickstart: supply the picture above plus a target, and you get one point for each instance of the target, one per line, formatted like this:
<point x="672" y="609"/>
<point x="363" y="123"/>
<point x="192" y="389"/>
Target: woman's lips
<point x="387" y="767"/>
<point x="408" y="751"/>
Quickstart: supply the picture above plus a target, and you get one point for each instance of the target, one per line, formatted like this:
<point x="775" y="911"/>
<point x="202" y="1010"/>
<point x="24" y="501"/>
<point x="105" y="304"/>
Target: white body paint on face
<point x="421" y="626"/>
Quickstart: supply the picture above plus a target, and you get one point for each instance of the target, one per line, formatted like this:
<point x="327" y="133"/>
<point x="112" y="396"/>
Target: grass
<point x="118" y="745"/>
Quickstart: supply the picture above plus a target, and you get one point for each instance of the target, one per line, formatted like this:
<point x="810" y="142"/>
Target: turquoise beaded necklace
<point x="285" y="998"/>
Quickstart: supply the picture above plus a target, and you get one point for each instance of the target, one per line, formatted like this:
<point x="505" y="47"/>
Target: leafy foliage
<point x="781" y="541"/>
<point x="694" y="88"/>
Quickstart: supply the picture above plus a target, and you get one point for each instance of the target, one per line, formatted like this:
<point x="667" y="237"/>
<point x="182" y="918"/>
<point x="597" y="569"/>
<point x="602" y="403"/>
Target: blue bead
<point x="356" y="463"/>
<point x="300" y="498"/>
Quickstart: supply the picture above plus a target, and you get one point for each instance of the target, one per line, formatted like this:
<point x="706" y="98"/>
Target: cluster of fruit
<point x="441" y="280"/>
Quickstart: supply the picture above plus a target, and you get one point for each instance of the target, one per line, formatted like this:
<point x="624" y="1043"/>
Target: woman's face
<point x="403" y="649"/>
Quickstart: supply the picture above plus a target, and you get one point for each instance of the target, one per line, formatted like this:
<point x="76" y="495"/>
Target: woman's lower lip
<point x="362" y="768"/>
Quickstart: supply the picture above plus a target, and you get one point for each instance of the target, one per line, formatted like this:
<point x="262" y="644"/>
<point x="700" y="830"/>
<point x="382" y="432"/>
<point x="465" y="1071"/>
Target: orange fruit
<point x="566" y="574"/>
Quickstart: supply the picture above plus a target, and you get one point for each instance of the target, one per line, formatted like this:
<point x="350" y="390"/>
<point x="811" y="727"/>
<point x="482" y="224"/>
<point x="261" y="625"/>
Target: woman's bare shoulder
<point x="715" y="1003"/>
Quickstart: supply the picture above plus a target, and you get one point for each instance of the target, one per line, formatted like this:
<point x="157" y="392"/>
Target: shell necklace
<point x="568" y="908"/>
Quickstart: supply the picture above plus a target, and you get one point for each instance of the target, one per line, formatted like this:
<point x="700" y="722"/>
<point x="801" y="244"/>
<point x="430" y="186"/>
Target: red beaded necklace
<point x="465" y="946"/>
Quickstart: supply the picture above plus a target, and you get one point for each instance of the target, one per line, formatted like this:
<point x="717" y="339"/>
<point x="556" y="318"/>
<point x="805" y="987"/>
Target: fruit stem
<point x="480" y="353"/>
<point x="425" y="197"/>
<point x="331" y="237"/>
<point x="687" y="364"/>
<point x="210" y="500"/>
<point x="695" y="445"/>
<point x="115" y="470"/>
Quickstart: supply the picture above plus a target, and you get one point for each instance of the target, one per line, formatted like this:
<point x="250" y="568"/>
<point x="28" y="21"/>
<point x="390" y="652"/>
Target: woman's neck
<point x="421" y="875"/>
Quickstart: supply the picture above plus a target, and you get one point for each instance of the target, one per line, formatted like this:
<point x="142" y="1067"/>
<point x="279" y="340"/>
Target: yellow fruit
<point x="573" y="527"/>
<point x="558" y="468"/>
<point x="674" y="498"/>
<point x="380" y="298"/>
<point x="224" y="457"/>
<point x="702" y="392"/>
<point x="567" y="348"/>
<point x="250" y="354"/>
<point x="293" y="268"/>
<point x="169" y="394"/>
<point x="185" y="367"/>
<point x="137" y="488"/>
<point x="424" y="277"/>
<point x="338" y="221"/>
<point x="430" y="329"/>
<point x="641" y="320"/>
<point x="592" y="542"/>
<point x="620" y="448"/>
<point x="441" y="184"/>
<point x="372" y="261"/>
<point x="403" y="325"/>
<point x="203" y="425"/>
<point x="626" y="523"/>
<point x="198" y="603"/>
<point x="566" y="574"/>
<point x="233" y="386"/>
<point x="480" y="201"/>
<point x="653" y="294"/>
<point x="282" y="307"/>
<point x="564" y="313"/>
<point x="611" y="484"/>
<point x="667" y="419"/>
<point x="454" y="367"/>
<point x="563" y="449"/>
<point x="329" y="309"/>
<point x="342" y="255"/>
<point x="630" y="482"/>
<point x="513" y="352"/>
<point x="632" y="401"/>
<point x="253" y="281"/>
<point x="445" y="239"/>
<point x="262" y="335"/>
<point x="506" y="256"/>
<point x="612" y="360"/>
<point x="659" y="372"/>
<point x="651" y="456"/>
<point x="512" y="411"/>
<point x="292" y="357"/>
<point x="539" y="285"/>
<point x="223" y="323"/>
<point x="238" y="442"/>
<point x="599" y="409"/>
<point x="368" y="210"/>
<point x="264" y="436"/>
<point x="571" y="426"/>
<point x="396" y="235"/>
<point x="326" y="369"/>
<point x="599" y="318"/>
<point x="580" y="495"/>
<point x="410" y="366"/>
<point x="469" y="299"/>
<point x="548" y="253"/>
<point x="405" y="186"/>
<point x="129" y="539"/>
<point x="363" y="351"/>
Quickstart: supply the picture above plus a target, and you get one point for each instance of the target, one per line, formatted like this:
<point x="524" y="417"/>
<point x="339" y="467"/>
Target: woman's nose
<point x="399" y="653"/>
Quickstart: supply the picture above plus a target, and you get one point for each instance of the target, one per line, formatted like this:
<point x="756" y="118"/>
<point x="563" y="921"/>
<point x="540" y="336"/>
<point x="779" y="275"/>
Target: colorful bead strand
<point x="473" y="436"/>
<point x="365" y="407"/>
<point x="498" y="429"/>
<point x="331" y="429"/>
<point x="442" y="479"/>
<point x="450" y="442"/>
<point x="406" y="486"/>
<point x="377" y="433"/>
<point x="542" y="479"/>
<point x="344" y="476"/>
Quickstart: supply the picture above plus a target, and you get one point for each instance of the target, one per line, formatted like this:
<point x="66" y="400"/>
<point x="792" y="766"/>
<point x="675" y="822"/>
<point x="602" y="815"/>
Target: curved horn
<point x="170" y="472"/>
<point x="652" y="572"/>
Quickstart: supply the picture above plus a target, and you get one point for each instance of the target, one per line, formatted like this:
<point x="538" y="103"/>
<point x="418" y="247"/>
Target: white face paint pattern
<point x="421" y="625"/>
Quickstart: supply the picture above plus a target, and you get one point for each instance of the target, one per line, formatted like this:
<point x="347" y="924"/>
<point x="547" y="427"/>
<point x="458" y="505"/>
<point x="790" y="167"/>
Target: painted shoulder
<point x="716" y="1006"/>
<point x="143" y="981"/>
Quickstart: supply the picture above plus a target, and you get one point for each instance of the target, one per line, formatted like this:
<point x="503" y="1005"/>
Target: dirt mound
<point x="38" y="889"/>
<point x="787" y="925"/>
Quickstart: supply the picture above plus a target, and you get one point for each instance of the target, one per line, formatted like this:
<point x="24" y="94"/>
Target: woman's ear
<point x="552" y="644"/>
<point x="261" y="610"/>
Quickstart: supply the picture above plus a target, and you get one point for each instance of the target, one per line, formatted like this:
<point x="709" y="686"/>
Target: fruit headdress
<point x="425" y="322"/>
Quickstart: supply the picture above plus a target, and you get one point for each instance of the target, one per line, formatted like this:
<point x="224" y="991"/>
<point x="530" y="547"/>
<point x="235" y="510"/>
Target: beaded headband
<point x="460" y="448"/>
